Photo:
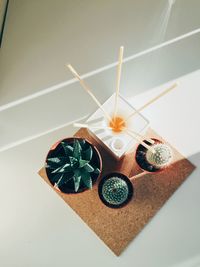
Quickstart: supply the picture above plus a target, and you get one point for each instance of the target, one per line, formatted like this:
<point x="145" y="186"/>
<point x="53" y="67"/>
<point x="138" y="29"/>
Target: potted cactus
<point x="73" y="165"/>
<point x="115" y="190"/>
<point x="154" y="161"/>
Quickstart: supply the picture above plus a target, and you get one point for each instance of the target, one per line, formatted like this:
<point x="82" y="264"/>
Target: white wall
<point x="2" y="12"/>
<point x="41" y="35"/>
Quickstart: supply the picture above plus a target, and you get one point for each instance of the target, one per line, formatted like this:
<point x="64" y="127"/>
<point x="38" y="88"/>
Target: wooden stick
<point x="140" y="141"/>
<point x="119" y="68"/>
<point x="83" y="125"/>
<point x="137" y="175"/>
<point x="142" y="137"/>
<point x="152" y="100"/>
<point x="88" y="90"/>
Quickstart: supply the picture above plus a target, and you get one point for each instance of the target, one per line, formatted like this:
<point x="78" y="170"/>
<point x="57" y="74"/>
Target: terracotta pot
<point x="144" y="161"/>
<point x="57" y="150"/>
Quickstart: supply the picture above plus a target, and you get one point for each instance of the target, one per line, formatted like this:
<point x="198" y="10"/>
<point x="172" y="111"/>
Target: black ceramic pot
<point x="115" y="190"/>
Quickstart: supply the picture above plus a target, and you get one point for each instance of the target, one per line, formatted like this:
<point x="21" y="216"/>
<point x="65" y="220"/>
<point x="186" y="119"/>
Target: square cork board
<point x="118" y="227"/>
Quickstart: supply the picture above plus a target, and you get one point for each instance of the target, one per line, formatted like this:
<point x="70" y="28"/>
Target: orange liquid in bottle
<point x="117" y="124"/>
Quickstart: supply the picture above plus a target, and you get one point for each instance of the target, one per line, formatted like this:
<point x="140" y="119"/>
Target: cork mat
<point x="117" y="227"/>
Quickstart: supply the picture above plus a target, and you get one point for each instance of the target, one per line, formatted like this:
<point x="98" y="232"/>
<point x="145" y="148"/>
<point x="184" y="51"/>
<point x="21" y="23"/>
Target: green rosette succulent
<point x="74" y="165"/>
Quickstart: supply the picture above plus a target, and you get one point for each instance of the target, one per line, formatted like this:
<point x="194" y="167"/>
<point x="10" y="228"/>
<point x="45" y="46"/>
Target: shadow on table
<point x="172" y="238"/>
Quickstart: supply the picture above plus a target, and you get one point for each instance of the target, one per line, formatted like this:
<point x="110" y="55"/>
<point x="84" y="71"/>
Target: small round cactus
<point x="161" y="157"/>
<point x="115" y="191"/>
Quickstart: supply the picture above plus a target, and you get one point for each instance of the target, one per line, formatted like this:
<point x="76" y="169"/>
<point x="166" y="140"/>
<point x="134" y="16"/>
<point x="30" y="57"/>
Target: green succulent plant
<point x="161" y="157"/>
<point x="115" y="191"/>
<point x="75" y="164"/>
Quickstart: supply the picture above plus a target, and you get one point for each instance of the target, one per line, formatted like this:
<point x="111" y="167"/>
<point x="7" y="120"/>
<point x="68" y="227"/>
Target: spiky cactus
<point x="161" y="157"/>
<point x="115" y="191"/>
<point x="74" y="164"/>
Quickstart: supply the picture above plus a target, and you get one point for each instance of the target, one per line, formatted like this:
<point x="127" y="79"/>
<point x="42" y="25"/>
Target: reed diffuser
<point x="116" y="124"/>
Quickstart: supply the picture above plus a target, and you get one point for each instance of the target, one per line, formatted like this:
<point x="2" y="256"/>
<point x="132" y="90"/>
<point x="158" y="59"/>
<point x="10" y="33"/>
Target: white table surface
<point x="36" y="228"/>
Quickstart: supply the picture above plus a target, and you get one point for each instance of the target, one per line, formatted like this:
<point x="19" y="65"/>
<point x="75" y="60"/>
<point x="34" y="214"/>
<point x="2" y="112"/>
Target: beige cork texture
<point x="117" y="227"/>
